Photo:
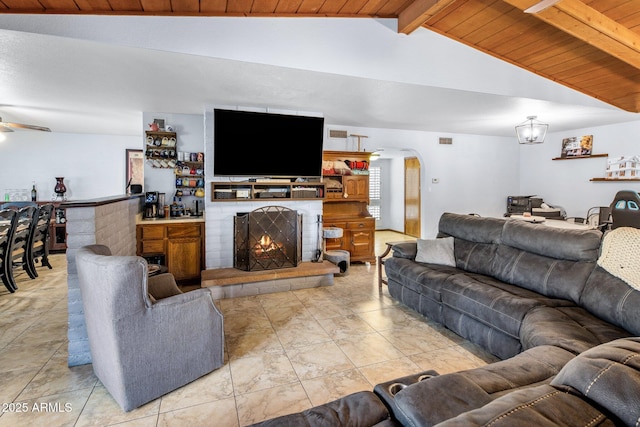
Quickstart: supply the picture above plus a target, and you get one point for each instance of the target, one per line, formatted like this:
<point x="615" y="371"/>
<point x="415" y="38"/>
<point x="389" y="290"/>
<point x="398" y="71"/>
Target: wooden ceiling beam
<point x="418" y="12"/>
<point x="587" y="24"/>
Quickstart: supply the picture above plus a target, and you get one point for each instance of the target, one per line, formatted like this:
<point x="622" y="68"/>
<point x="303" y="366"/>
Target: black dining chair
<point x="38" y="246"/>
<point x="8" y="223"/>
<point x="22" y="237"/>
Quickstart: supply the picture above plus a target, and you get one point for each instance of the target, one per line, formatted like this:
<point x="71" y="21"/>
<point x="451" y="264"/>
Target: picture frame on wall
<point x="134" y="167"/>
<point x="574" y="146"/>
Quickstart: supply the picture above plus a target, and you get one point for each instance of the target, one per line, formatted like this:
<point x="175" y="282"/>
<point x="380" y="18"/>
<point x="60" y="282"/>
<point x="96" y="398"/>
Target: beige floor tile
<point x="270" y="403"/>
<point x="57" y="376"/>
<point x="318" y="360"/>
<point x="364" y="350"/>
<point x="216" y="385"/>
<point x="344" y="327"/>
<point x="389" y="370"/>
<point x="331" y="387"/>
<point x="302" y="334"/>
<point x="220" y="413"/>
<point x="101" y="409"/>
<point x="444" y="360"/>
<point x="15" y="381"/>
<point x="24" y="355"/>
<point x="55" y="410"/>
<point x="260" y="372"/>
<point x="252" y="344"/>
<point x="284" y="353"/>
<point x="387" y="318"/>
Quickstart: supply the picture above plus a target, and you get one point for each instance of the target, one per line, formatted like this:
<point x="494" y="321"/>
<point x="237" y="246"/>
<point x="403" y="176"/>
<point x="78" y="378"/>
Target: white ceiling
<point x="79" y="74"/>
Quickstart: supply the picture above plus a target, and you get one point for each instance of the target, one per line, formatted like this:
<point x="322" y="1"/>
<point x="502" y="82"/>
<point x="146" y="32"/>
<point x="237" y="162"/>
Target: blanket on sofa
<point x="620" y="254"/>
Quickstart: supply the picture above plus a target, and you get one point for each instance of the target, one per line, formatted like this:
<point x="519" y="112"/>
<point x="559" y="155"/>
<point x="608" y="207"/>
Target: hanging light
<point x="531" y="131"/>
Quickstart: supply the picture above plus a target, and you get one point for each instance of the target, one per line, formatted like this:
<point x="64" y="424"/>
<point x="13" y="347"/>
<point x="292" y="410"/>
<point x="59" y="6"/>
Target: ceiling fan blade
<point x="6" y="127"/>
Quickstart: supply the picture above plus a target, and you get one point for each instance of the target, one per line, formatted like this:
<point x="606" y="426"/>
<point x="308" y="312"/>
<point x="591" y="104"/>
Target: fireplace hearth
<point x="267" y="238"/>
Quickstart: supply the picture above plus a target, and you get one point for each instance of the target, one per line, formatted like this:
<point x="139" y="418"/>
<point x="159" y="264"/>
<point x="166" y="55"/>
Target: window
<point x="374" y="192"/>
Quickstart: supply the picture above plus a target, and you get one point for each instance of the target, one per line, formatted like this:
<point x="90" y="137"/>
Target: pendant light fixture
<point x="531" y="131"/>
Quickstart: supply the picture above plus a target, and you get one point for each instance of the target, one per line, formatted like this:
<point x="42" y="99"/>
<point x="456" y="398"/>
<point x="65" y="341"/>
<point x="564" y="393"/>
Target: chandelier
<point x="531" y="131"/>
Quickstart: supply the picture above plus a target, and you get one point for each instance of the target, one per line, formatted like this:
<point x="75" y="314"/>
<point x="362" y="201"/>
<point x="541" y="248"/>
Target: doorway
<point x="412" y="197"/>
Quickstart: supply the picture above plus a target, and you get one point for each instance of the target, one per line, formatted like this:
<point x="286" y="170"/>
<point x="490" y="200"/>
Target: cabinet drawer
<point x="149" y="232"/>
<point x="183" y="230"/>
<point x="356" y="225"/>
<point x="152" y="246"/>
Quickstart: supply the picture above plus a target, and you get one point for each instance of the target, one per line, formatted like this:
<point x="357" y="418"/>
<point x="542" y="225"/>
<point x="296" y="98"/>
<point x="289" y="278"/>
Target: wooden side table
<point x="381" y="279"/>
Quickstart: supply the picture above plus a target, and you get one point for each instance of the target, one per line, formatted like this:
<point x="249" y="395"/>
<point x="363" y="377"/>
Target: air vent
<point x="445" y="141"/>
<point x="336" y="133"/>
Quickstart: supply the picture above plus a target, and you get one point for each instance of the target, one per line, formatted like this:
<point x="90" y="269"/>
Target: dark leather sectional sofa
<point x="567" y="331"/>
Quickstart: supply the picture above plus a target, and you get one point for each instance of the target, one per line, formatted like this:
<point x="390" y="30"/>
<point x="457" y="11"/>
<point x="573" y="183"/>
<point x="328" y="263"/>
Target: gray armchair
<point x="146" y="337"/>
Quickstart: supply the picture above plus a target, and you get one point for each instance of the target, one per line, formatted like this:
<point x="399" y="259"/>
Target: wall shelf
<point x="230" y="191"/>
<point x="614" y="180"/>
<point x="581" y="157"/>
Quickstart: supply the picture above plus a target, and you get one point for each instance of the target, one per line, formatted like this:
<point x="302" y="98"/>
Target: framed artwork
<point x="574" y="146"/>
<point x="134" y="166"/>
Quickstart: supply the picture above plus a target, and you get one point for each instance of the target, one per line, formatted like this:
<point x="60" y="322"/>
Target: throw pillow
<point x="436" y="251"/>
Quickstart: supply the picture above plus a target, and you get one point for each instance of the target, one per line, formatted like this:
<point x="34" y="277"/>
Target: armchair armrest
<point x="163" y="286"/>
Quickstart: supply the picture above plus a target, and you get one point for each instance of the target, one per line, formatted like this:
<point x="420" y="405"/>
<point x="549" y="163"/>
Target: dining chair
<point x="21" y="238"/>
<point x="38" y="246"/>
<point x="8" y="222"/>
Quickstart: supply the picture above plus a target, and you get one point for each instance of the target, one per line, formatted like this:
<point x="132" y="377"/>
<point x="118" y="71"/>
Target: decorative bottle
<point x="34" y="193"/>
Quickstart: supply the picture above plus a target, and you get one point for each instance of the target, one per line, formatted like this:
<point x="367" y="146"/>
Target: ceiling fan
<point x="7" y="127"/>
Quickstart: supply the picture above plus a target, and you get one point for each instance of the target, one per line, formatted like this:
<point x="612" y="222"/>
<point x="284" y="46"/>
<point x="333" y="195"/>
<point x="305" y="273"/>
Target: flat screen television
<point x="266" y="145"/>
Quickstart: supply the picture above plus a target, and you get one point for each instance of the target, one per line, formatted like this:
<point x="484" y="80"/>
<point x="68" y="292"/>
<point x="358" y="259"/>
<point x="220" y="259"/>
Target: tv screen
<point x="255" y="144"/>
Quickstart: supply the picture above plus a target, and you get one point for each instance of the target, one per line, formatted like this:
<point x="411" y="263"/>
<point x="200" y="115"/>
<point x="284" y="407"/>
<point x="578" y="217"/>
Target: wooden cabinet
<point x="180" y="243"/>
<point x="57" y="227"/>
<point x="345" y="205"/>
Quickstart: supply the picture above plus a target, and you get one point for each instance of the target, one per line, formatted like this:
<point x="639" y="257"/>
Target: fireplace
<point x="267" y="238"/>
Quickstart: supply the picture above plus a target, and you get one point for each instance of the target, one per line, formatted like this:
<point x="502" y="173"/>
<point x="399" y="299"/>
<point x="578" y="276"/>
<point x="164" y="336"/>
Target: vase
<point x="60" y="187"/>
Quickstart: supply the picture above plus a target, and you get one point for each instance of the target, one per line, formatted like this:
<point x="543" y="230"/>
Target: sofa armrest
<point x="406" y="250"/>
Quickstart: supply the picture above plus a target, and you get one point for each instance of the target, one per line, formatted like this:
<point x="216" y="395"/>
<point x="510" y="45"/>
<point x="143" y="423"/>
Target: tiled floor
<point x="285" y="352"/>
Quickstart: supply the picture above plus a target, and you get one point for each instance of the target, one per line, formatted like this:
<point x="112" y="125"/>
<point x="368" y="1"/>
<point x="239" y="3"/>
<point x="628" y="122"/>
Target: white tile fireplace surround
<point x="219" y="227"/>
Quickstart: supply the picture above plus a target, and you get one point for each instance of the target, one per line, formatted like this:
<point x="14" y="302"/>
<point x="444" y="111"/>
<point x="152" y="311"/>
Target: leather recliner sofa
<point x="532" y="295"/>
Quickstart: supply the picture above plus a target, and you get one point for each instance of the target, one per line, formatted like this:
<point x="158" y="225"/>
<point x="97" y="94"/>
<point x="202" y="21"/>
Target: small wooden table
<point x="381" y="279"/>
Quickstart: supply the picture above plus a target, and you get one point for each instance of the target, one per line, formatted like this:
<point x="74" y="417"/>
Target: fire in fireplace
<point x="267" y="238"/>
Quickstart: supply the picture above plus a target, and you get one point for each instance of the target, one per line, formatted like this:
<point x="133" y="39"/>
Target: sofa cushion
<point x="436" y="251"/>
<point x="572" y="328"/>
<point x="547" y="276"/>
<point x="453" y="394"/>
<point x="476" y="240"/>
<point x="490" y="301"/>
<point x="567" y="244"/>
<point x="541" y="406"/>
<point x="608" y="375"/>
<point x="613" y="300"/>
<point x="406" y="250"/>
<point x="358" y="409"/>
<point x="471" y="228"/>
<point x="423" y="278"/>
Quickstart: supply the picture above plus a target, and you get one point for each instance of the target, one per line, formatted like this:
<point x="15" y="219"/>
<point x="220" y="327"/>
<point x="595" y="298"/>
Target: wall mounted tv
<point x="255" y="145"/>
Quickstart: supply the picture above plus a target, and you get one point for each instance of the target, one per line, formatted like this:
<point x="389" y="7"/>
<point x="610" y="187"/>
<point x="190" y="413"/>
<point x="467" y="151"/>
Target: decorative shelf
<point x="613" y="179"/>
<point x="228" y="191"/>
<point x="581" y="157"/>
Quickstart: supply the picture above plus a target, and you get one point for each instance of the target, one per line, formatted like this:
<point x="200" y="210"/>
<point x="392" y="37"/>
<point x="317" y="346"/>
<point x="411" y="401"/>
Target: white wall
<point x="92" y="165"/>
<point x="566" y="182"/>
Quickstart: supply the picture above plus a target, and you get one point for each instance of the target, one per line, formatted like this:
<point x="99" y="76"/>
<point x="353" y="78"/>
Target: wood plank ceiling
<point x="592" y="46"/>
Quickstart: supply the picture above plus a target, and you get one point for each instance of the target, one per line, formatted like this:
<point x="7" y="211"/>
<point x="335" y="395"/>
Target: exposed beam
<point x="587" y="24"/>
<point x="418" y="12"/>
